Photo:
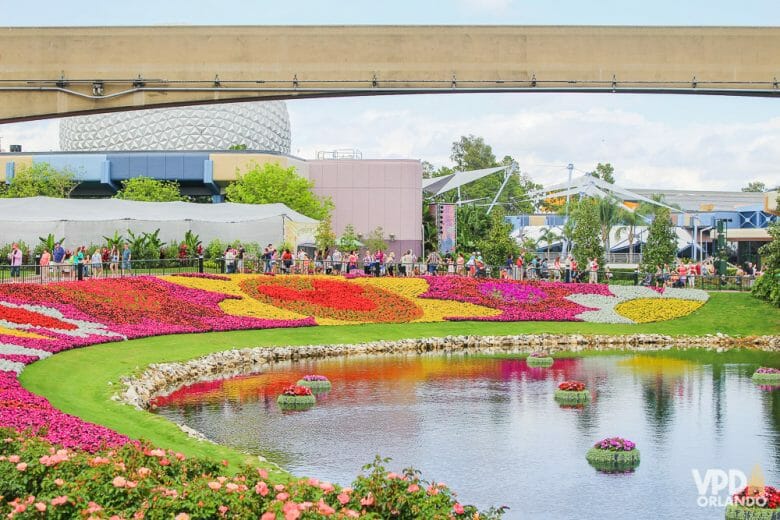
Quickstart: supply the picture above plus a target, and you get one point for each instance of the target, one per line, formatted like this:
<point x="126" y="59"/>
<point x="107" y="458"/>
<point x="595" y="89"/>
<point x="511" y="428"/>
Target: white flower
<point x="6" y="348"/>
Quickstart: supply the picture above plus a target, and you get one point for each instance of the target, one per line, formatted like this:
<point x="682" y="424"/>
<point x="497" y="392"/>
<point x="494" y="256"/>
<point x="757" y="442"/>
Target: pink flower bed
<point x="25" y="411"/>
<point x="77" y="314"/>
<point x="518" y="301"/>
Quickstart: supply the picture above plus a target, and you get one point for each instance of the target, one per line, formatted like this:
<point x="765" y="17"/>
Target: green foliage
<point x="145" y="246"/>
<point x="114" y="241"/>
<point x="349" y="239"/>
<point x="767" y="287"/>
<point x="271" y="183"/>
<point x="735" y="512"/>
<point x="605" y="172"/>
<point x="40" y="180"/>
<point x="240" y="146"/>
<point x="48" y="242"/>
<point x="661" y="245"/>
<point x="325" y="237"/>
<point x="191" y="240"/>
<point x="755" y="186"/>
<point x="498" y="244"/>
<point x="376" y="240"/>
<point x="586" y="233"/>
<point x="215" y="249"/>
<point x="630" y="221"/>
<point x="548" y="237"/>
<point x="533" y="361"/>
<point x="473" y="223"/>
<point x="150" y="190"/>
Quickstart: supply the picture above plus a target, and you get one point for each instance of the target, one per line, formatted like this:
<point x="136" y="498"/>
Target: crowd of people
<point x="61" y="263"/>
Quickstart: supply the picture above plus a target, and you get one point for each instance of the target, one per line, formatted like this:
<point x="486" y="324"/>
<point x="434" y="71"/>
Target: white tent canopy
<point x="86" y="221"/>
<point x="438" y="185"/>
<point x="593" y="187"/>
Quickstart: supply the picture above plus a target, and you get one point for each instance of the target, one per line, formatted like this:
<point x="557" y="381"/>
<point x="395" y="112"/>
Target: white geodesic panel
<point x="261" y="125"/>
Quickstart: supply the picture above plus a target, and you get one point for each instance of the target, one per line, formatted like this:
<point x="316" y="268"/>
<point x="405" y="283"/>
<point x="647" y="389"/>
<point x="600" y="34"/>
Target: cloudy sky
<point x="653" y="141"/>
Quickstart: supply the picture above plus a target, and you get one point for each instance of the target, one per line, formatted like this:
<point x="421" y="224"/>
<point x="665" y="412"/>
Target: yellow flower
<point x="646" y="310"/>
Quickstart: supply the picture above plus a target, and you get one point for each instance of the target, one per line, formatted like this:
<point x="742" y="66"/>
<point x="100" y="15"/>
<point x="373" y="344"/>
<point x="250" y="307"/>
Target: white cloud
<point x="33" y="136"/>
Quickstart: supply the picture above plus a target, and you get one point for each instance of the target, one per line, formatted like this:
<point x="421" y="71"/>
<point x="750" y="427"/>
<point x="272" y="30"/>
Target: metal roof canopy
<point x="591" y="186"/>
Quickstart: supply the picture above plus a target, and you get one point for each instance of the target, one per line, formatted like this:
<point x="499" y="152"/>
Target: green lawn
<point x="82" y="381"/>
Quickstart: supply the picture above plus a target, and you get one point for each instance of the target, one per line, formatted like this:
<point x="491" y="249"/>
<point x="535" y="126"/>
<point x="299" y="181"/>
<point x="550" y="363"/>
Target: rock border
<point x="162" y="379"/>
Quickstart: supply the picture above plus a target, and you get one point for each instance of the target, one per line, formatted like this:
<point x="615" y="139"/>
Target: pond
<point x="490" y="429"/>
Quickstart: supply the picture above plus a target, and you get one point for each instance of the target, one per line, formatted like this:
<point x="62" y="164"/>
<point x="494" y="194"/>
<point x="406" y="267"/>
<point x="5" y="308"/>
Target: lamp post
<point x="570" y="167"/>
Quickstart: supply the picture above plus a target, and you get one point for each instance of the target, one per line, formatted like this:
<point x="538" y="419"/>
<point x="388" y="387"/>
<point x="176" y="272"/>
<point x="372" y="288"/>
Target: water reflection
<point x="490" y="428"/>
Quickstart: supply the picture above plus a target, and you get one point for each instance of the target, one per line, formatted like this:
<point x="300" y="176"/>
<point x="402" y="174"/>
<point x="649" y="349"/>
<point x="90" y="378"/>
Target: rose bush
<point x="39" y="479"/>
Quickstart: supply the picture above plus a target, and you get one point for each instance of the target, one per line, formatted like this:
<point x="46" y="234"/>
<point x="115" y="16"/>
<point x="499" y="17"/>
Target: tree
<point x="586" y="233"/>
<point x="472" y="227"/>
<point x="609" y="216"/>
<point x="472" y="153"/>
<point x="114" y="241"/>
<point x="755" y="186"/>
<point x="768" y="285"/>
<point x="430" y="230"/>
<point x="661" y="245"/>
<point x="630" y="220"/>
<point x="325" y="237"/>
<point x="605" y="172"/>
<point x="271" y="183"/>
<point x="498" y="244"/>
<point x="376" y="240"/>
<point x="548" y="236"/>
<point x="349" y="239"/>
<point x="150" y="190"/>
<point x="40" y="180"/>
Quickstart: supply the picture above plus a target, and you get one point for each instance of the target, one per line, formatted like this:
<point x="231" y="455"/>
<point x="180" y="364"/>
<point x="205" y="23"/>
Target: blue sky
<point x="672" y="141"/>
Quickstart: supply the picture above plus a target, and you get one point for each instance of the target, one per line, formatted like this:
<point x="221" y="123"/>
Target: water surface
<point x="489" y="428"/>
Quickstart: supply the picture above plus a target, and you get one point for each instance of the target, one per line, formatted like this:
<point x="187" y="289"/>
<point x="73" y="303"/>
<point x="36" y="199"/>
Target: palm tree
<point x="609" y="215"/>
<point x="548" y="236"/>
<point x="630" y="220"/>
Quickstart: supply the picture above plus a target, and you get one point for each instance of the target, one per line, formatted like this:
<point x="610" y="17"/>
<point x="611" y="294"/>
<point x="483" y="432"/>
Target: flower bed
<point x="613" y="453"/>
<point x="332" y="298"/>
<point x="767" y="376"/>
<point x="646" y="310"/>
<point x="539" y="359"/>
<point x="296" y="397"/>
<point x="42" y="480"/>
<point x="318" y="384"/>
<point x="755" y="503"/>
<point x="572" y="392"/>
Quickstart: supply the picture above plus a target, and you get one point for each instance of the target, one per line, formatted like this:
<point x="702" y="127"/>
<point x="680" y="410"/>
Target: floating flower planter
<point x="767" y="376"/>
<point x="318" y="384"/>
<point x="539" y="359"/>
<point x="613" y="454"/>
<point x="296" y="397"/>
<point x="572" y="393"/>
<point x="755" y="503"/>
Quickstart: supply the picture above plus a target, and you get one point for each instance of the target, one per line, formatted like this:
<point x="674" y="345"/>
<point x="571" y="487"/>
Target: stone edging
<point x="162" y="379"/>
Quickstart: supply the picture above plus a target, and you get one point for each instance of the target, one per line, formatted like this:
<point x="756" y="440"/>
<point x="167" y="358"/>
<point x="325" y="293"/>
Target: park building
<point x="190" y="145"/>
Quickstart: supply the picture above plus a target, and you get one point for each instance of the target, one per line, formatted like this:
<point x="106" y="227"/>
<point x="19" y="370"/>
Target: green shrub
<point x="539" y="361"/>
<point x="767" y="287"/>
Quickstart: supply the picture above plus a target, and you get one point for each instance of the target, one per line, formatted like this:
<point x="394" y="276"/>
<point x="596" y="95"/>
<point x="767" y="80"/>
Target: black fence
<point x="70" y="272"/>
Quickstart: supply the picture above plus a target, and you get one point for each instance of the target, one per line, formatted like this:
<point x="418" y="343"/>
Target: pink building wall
<point x="371" y="193"/>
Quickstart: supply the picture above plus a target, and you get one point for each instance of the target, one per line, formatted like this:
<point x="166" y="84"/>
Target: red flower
<point x="572" y="386"/>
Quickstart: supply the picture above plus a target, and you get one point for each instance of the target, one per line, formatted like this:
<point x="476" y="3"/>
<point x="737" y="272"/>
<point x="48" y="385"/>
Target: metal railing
<point x="70" y="272"/>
